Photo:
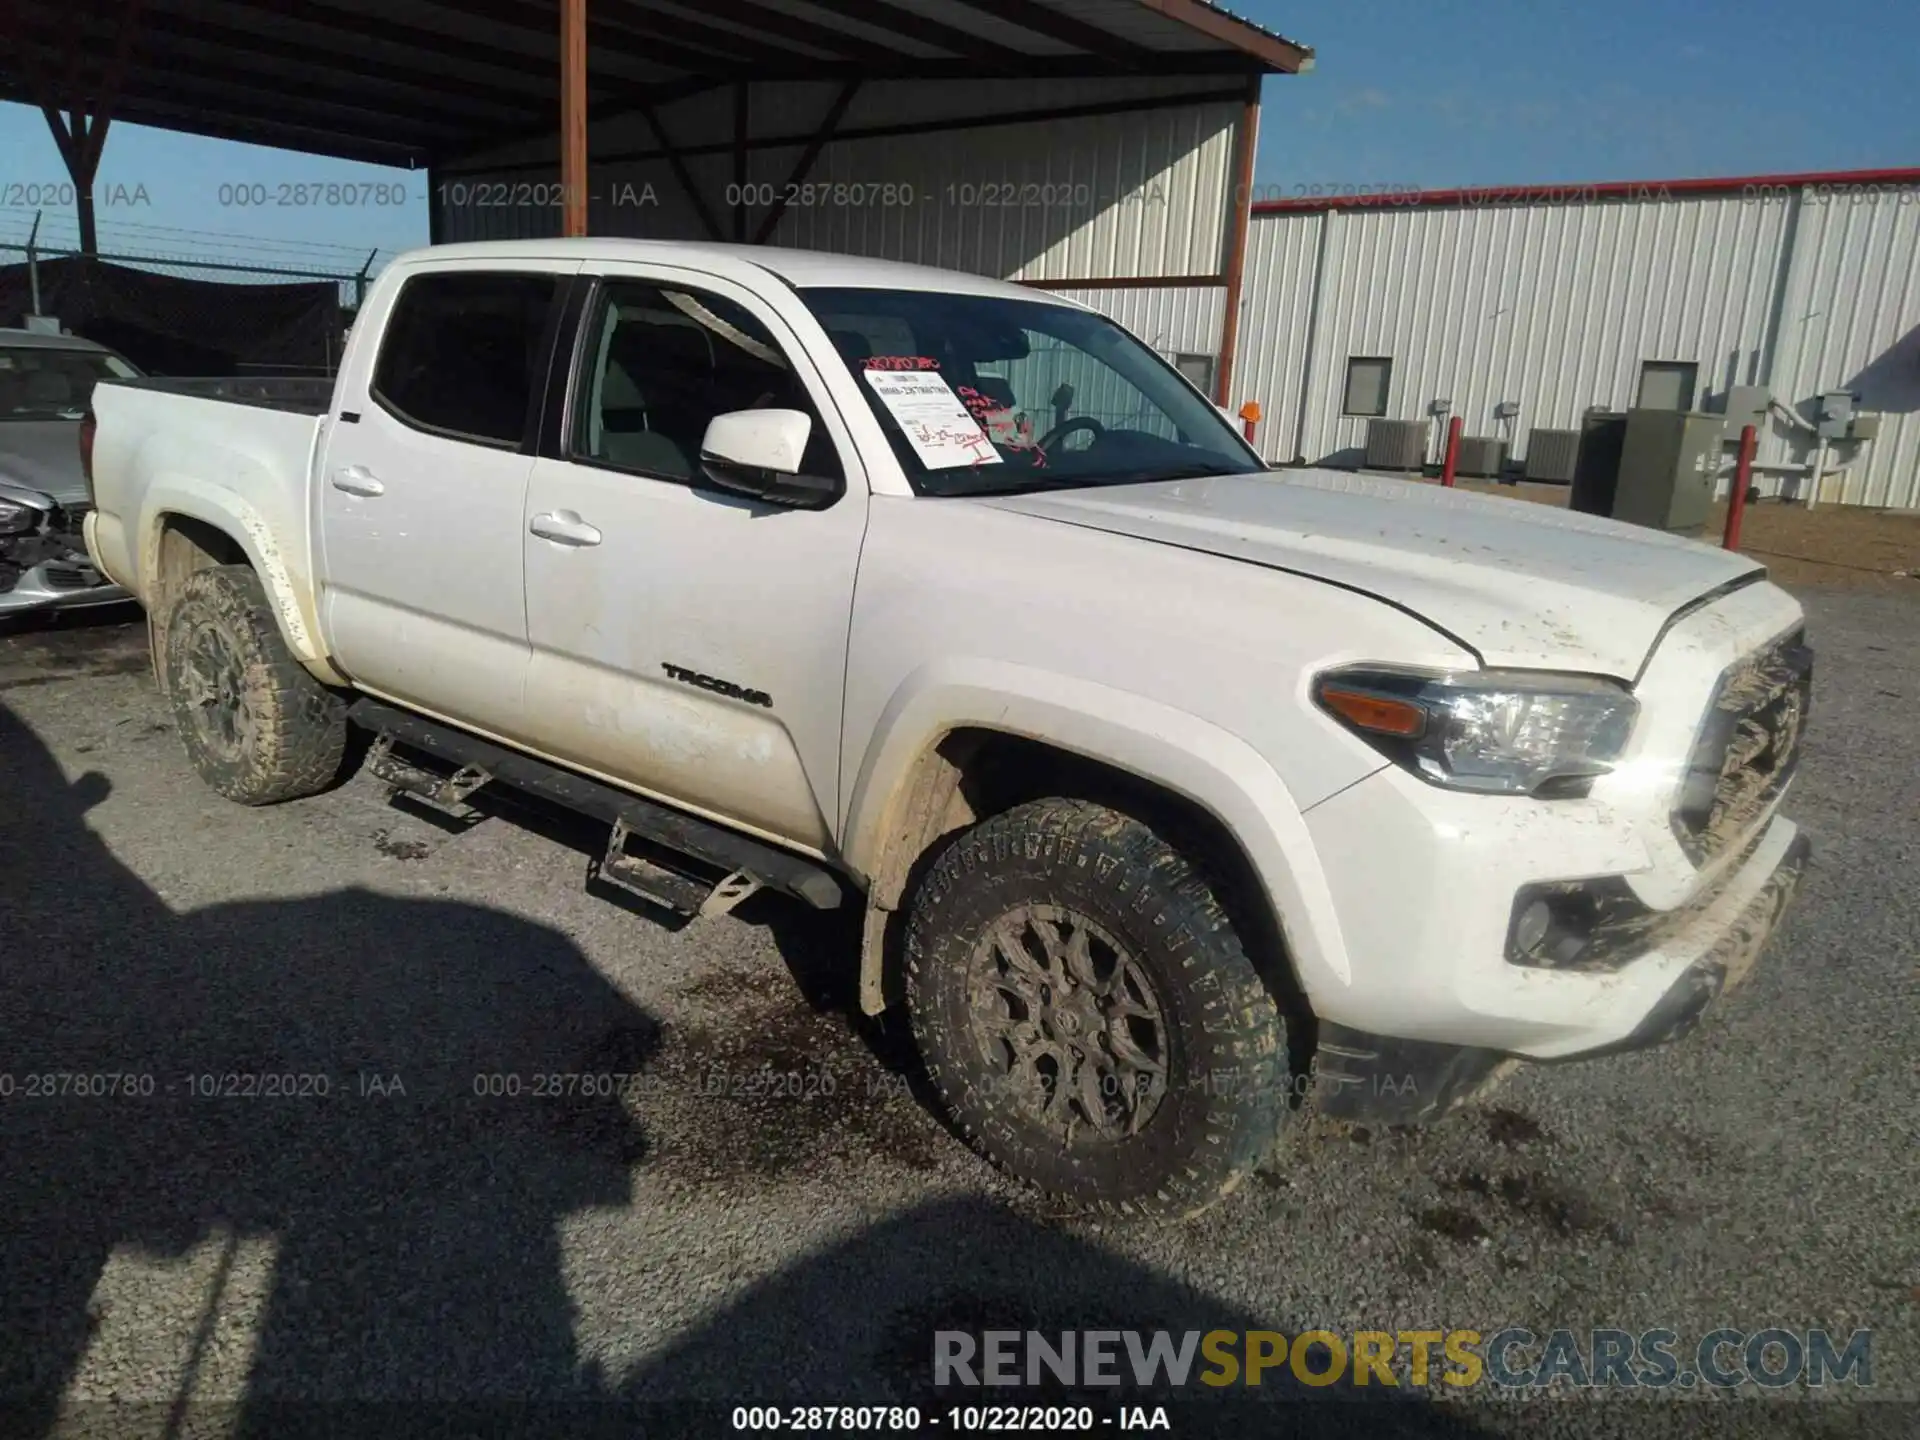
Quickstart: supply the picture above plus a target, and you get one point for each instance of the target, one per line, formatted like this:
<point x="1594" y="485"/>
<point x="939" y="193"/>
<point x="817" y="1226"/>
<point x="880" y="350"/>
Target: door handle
<point x="358" y="480"/>
<point x="563" y="527"/>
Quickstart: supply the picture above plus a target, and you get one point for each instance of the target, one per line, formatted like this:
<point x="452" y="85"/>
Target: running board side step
<point x="668" y="888"/>
<point x="750" y="864"/>
<point x="447" y="793"/>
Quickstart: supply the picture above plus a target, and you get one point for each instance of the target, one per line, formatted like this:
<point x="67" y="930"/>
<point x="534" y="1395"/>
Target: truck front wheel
<point x="1088" y="1015"/>
<point x="256" y="725"/>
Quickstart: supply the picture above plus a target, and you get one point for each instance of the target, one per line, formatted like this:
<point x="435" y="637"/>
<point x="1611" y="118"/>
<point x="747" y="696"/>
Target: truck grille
<point x="1747" y="747"/>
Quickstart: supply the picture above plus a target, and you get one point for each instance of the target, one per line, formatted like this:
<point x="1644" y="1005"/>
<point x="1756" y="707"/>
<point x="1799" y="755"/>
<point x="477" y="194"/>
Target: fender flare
<point x="1158" y="743"/>
<point x="191" y="498"/>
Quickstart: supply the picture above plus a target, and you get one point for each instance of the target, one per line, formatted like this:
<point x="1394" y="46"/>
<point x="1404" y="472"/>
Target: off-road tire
<point x="295" y="729"/>
<point x="1225" y="1098"/>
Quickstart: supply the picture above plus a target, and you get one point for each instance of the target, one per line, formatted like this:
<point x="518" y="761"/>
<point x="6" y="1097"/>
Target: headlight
<point x="16" y="519"/>
<point x="1505" y="732"/>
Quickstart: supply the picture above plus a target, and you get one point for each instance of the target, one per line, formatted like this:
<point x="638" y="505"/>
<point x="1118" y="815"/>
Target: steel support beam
<point x="803" y="167"/>
<point x="677" y="159"/>
<point x="78" y="114"/>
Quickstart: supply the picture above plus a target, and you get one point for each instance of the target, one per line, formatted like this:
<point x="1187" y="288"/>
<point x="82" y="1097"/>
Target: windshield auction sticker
<point x="932" y="418"/>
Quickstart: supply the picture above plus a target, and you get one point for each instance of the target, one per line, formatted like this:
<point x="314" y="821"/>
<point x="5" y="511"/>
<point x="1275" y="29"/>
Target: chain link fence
<point x="174" y="315"/>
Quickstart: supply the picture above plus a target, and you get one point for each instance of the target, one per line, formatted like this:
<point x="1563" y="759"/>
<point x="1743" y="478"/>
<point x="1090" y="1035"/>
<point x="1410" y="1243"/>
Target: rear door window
<point x="464" y="353"/>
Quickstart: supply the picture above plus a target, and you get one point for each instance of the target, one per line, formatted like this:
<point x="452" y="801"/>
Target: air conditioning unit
<point x="1553" y="455"/>
<point x="1482" y="456"/>
<point x="1397" y="444"/>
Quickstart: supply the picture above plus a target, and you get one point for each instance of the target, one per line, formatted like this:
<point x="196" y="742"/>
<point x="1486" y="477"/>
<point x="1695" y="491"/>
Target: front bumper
<point x="59" y="585"/>
<point x="1362" y="1076"/>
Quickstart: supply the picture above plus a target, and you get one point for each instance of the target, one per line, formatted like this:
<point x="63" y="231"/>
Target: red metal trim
<point x="1575" y="193"/>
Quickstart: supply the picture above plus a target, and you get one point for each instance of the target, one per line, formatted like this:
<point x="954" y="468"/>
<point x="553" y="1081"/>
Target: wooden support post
<point x="1238" y="219"/>
<point x="573" y="117"/>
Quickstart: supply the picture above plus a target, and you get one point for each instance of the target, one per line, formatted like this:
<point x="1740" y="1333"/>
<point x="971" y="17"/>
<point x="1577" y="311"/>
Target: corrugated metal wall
<point x="1175" y="320"/>
<point x="1554" y="307"/>
<point x="1172" y="319"/>
<point x="1851" y="321"/>
<point x="1129" y="192"/>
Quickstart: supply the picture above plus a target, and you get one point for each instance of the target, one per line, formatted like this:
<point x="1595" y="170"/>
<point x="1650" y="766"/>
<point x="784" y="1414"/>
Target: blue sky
<point x="1427" y="93"/>
<point x="1489" y="92"/>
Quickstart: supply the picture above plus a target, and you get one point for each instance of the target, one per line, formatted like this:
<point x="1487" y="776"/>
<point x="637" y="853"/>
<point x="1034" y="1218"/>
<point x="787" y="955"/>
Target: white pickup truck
<point x="1180" y="794"/>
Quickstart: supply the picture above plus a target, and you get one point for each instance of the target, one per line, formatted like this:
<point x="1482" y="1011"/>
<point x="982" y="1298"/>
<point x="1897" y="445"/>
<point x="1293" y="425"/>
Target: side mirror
<point x="758" y="453"/>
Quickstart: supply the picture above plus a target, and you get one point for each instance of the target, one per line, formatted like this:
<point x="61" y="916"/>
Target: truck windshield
<point x="986" y="395"/>
<point x="48" y="383"/>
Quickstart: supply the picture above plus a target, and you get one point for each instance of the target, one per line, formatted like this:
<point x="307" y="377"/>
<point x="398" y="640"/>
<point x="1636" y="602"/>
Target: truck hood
<point x="43" y="455"/>
<point x="1518" y="583"/>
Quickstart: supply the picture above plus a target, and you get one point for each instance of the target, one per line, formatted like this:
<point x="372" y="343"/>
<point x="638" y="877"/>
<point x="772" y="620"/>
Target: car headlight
<point x="17" y="519"/>
<point x="1504" y="732"/>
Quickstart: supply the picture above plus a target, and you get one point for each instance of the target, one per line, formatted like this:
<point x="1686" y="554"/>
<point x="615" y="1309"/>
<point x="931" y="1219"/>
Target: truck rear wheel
<point x="1088" y="1015"/>
<point x="256" y="725"/>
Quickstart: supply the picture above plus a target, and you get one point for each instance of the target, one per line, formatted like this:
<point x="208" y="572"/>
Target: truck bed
<point x="235" y="453"/>
<point x="301" y="394"/>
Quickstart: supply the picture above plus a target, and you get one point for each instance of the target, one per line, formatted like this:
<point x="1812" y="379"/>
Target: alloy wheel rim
<point x="1070" y="1023"/>
<point x="214" y="682"/>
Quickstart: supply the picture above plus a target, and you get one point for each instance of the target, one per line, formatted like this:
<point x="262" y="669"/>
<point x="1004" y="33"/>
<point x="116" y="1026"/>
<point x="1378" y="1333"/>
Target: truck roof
<point x="797" y="267"/>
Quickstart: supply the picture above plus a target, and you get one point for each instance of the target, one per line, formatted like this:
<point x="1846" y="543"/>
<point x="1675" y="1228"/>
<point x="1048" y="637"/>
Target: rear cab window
<point x="464" y="354"/>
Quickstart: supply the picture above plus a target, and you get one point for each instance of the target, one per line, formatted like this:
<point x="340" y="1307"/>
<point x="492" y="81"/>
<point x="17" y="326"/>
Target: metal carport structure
<point x="1101" y="147"/>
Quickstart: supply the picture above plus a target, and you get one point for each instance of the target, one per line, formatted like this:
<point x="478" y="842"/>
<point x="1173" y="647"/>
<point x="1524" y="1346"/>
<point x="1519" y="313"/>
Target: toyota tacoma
<point x="1179" y="794"/>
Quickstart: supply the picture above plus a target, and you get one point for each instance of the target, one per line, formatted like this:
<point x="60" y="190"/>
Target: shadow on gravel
<point x="856" y="1325"/>
<point x="282" y="1096"/>
<point x="304" y="1074"/>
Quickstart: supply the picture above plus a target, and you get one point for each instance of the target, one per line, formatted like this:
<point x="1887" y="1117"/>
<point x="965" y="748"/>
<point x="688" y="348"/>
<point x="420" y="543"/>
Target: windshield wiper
<point x="1194" y="471"/>
<point x="1022" y="487"/>
<point x="1033" y="482"/>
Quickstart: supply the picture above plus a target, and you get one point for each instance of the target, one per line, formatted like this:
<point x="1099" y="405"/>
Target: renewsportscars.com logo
<point x="1512" y="1358"/>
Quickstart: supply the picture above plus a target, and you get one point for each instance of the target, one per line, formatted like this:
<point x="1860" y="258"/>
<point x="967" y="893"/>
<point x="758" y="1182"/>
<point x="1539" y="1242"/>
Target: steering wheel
<point x="1068" y="427"/>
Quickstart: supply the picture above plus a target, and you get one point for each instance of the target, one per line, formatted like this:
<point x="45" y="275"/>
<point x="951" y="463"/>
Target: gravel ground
<point x="181" y="1263"/>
